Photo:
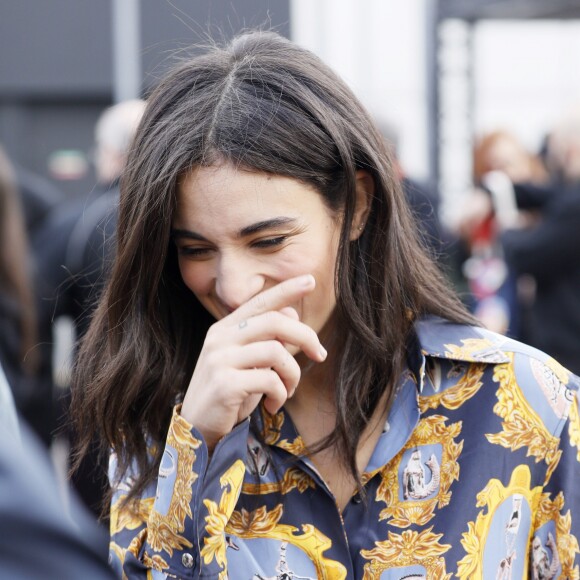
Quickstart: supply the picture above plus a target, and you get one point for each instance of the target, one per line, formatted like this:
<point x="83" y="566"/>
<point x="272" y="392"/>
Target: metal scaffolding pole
<point x="126" y="49"/>
<point x="432" y="60"/>
<point x="455" y="112"/>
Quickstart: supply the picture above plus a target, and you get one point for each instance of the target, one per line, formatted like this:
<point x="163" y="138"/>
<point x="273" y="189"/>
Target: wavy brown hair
<point x="264" y="104"/>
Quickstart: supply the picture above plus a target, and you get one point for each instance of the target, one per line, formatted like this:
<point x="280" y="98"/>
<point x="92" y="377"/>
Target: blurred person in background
<point x="38" y="197"/>
<point x="502" y="151"/>
<point x="548" y="248"/>
<point x="74" y="245"/>
<point x="496" y="292"/>
<point x="41" y="536"/>
<point x="539" y="239"/>
<point x="18" y="336"/>
<point x="74" y="249"/>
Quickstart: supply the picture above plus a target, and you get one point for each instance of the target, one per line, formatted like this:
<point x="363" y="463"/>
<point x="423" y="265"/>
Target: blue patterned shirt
<point x="475" y="475"/>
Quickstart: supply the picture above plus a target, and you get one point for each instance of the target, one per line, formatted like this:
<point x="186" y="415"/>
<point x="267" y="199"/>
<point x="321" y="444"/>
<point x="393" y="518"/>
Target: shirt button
<point x="187" y="560"/>
<point x="356" y="498"/>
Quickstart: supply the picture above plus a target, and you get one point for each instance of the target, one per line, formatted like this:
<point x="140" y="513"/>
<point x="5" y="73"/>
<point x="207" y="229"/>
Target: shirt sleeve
<point x="555" y="549"/>
<point x="176" y="529"/>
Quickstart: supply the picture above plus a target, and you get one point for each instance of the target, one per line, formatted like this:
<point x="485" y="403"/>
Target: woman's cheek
<point x="195" y="277"/>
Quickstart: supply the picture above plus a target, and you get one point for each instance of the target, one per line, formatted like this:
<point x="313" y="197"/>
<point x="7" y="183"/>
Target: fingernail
<point x="307" y="280"/>
<point x="323" y="352"/>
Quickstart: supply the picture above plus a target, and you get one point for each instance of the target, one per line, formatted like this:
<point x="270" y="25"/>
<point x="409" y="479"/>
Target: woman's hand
<point x="245" y="357"/>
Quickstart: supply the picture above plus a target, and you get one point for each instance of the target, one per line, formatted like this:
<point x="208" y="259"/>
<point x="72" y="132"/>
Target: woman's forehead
<point x="232" y="196"/>
<point x="226" y="183"/>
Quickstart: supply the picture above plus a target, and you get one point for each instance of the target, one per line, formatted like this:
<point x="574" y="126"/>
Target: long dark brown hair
<point x="16" y="295"/>
<point x="264" y="104"/>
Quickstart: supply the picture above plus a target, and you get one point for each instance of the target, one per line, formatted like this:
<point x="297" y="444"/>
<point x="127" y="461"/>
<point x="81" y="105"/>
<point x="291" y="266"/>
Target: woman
<point x="500" y="297"/>
<point x="17" y="311"/>
<point x="289" y="386"/>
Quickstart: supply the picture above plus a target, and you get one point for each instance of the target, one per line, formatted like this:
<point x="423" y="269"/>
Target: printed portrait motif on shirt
<point x="284" y="546"/>
<point x="496" y="544"/>
<point x="419" y="477"/>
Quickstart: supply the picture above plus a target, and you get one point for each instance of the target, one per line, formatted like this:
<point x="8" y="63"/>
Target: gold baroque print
<point x="296" y="447"/>
<point x="574" y="427"/>
<point x="410" y="548"/>
<point x="130" y="516"/>
<point x="120" y="553"/>
<point x="491" y="497"/>
<point x="218" y="516"/>
<point x="272" y="426"/>
<point x="134" y="548"/>
<point x="262" y="523"/>
<point x="479" y="349"/>
<point x="452" y="398"/>
<point x="293" y="478"/>
<point x="155" y="563"/>
<point x="272" y="430"/>
<point x="566" y="542"/>
<point x="521" y="426"/>
<point x="136" y="543"/>
<point x="164" y="531"/>
<point x="430" y="431"/>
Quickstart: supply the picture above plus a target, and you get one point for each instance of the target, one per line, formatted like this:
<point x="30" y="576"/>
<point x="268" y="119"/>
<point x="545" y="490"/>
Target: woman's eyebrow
<point x="247" y="231"/>
<point x="177" y="233"/>
<point x="265" y="225"/>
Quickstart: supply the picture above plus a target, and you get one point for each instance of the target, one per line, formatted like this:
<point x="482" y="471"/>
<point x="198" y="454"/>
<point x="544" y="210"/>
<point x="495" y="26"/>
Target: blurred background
<point x="461" y="89"/>
<point x="439" y="71"/>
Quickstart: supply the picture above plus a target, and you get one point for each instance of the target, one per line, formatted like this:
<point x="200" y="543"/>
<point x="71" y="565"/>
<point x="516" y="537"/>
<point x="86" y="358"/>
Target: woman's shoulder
<point x="444" y="339"/>
<point x="522" y="376"/>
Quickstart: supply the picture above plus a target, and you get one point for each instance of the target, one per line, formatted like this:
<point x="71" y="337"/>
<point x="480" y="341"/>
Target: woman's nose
<point x="237" y="282"/>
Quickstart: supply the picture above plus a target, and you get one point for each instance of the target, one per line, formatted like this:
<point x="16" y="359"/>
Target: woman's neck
<point x="313" y="406"/>
<point x="317" y="380"/>
<point x="314" y="413"/>
<point x="316" y="387"/>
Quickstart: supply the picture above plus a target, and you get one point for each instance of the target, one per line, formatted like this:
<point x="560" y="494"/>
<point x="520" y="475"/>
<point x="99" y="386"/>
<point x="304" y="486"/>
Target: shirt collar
<point x="433" y="337"/>
<point x="442" y="339"/>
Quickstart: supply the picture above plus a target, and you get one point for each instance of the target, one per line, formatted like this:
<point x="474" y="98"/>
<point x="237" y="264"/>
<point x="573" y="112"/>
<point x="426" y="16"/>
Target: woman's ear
<point x="365" y="189"/>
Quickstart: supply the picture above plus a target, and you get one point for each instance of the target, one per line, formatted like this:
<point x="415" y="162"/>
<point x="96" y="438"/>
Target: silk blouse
<point x="475" y="475"/>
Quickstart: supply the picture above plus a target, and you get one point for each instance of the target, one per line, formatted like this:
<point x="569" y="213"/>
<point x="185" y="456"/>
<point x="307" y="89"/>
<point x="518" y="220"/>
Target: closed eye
<point x="269" y="242"/>
<point x="193" y="252"/>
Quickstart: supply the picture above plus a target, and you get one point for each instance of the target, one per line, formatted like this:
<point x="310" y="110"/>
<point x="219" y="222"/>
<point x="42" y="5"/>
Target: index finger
<point x="275" y="298"/>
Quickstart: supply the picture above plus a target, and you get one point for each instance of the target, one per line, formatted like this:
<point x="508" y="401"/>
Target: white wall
<point x="525" y="73"/>
<point x="378" y="47"/>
